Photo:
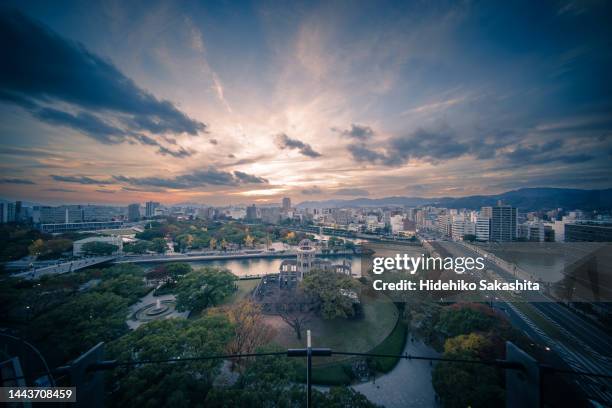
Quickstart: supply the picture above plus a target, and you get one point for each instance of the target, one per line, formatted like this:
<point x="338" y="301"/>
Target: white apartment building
<point x="483" y="225"/>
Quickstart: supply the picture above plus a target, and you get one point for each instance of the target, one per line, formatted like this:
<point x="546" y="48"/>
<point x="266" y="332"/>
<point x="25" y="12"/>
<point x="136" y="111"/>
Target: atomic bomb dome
<point x="305" y="257"/>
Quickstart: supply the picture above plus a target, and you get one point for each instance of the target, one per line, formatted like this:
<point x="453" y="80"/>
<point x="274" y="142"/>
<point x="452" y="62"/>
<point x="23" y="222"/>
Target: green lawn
<point x="245" y="286"/>
<point x="360" y="334"/>
<point x="378" y="331"/>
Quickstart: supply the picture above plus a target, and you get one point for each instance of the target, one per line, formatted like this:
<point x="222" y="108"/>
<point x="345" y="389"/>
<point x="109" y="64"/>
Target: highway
<point x="580" y="343"/>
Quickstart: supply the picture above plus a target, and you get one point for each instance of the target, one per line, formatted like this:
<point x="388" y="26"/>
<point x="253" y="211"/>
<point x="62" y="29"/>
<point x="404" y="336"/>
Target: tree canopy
<point x="204" y="288"/>
<point x="326" y="289"/>
<point x="179" y="384"/>
<point x="99" y="248"/>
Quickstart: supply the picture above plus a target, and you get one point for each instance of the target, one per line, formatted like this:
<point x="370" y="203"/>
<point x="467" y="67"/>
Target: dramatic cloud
<point x="314" y="190"/>
<point x="429" y="146"/>
<point x="61" y="190"/>
<point x="356" y="131"/>
<point x="15" y="181"/>
<point x="285" y="142"/>
<point x="352" y="192"/>
<point x="248" y="178"/>
<point x="40" y="68"/>
<point x="80" y="180"/>
<point x="361" y="153"/>
<point x="551" y="151"/>
<point x="86" y="123"/>
<point x="200" y="178"/>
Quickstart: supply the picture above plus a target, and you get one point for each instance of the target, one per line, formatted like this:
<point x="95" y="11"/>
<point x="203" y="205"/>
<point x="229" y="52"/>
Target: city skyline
<point x="254" y="102"/>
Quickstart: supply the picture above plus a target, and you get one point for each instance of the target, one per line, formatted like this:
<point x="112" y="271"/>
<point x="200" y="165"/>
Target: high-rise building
<point x="18" y="211"/>
<point x="503" y="223"/>
<point x="397" y="223"/>
<point x="251" y="213"/>
<point x="486" y="212"/>
<point x="444" y="224"/>
<point x="3" y="212"/>
<point x="134" y="212"/>
<point x="11" y="212"/>
<point x="286" y="206"/>
<point x="483" y="226"/>
<point x="150" y="208"/>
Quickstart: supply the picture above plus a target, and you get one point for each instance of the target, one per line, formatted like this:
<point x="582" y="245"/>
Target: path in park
<point x="407" y="385"/>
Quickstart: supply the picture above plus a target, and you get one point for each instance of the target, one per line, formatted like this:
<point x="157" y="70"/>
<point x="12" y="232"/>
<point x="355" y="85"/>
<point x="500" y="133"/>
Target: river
<point x="262" y="266"/>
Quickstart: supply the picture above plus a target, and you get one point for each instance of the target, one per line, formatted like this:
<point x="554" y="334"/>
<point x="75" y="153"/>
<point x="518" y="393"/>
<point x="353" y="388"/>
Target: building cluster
<point x="498" y="223"/>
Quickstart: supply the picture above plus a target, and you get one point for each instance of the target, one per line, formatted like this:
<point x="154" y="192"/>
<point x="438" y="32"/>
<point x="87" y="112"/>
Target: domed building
<point x="305" y="257"/>
<point x="273" y="288"/>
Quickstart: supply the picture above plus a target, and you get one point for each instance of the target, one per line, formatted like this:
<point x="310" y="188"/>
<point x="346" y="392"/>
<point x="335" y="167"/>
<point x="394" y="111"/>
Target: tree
<point x="326" y="289"/>
<point x="158" y="245"/>
<point x="129" y="287"/>
<point x="81" y="323"/>
<point x="341" y="397"/>
<point x="138" y="247"/>
<point x="50" y="249"/>
<point x="177" y="269"/>
<point x="291" y="311"/>
<point x="37" y="247"/>
<point x="97" y="248"/>
<point x="268" y="381"/>
<point x="204" y="288"/>
<point x="250" y="330"/>
<point x="184" y="384"/>
<point x="454" y="321"/>
<point x="271" y="381"/>
<point x="464" y="384"/>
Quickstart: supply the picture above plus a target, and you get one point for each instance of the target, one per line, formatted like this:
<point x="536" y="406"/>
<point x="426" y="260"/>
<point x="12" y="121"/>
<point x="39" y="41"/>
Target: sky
<point x="238" y="102"/>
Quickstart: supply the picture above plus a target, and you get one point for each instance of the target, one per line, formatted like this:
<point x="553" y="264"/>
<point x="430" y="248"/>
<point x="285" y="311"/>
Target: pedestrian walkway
<point x="408" y="384"/>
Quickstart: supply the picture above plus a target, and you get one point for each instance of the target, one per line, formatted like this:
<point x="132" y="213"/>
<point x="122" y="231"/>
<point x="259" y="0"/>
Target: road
<point x="580" y="344"/>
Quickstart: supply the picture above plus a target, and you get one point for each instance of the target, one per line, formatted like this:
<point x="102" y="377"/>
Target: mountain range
<point x="526" y="199"/>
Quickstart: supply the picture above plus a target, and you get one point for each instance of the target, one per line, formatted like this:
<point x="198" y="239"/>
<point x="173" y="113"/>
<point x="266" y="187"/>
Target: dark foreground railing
<point x="523" y="390"/>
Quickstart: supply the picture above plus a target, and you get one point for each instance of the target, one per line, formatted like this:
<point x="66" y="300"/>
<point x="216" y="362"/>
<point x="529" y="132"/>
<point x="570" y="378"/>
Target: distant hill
<point x="525" y="199"/>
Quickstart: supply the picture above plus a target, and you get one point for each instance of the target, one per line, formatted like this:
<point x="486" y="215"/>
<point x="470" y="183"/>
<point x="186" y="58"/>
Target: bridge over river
<point x="64" y="267"/>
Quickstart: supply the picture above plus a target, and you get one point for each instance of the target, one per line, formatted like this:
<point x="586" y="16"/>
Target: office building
<point x="80" y="226"/>
<point x="133" y="212"/>
<point x="588" y="231"/>
<point x="150" y="208"/>
<point x="503" y="223"/>
<point x="3" y="212"/>
<point x="99" y="213"/>
<point x="251" y="213"/>
<point x="11" y="212"/>
<point x="286" y="206"/>
<point x="486" y="212"/>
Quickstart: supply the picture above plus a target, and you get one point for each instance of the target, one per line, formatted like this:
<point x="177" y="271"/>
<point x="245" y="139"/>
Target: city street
<point x="581" y="345"/>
